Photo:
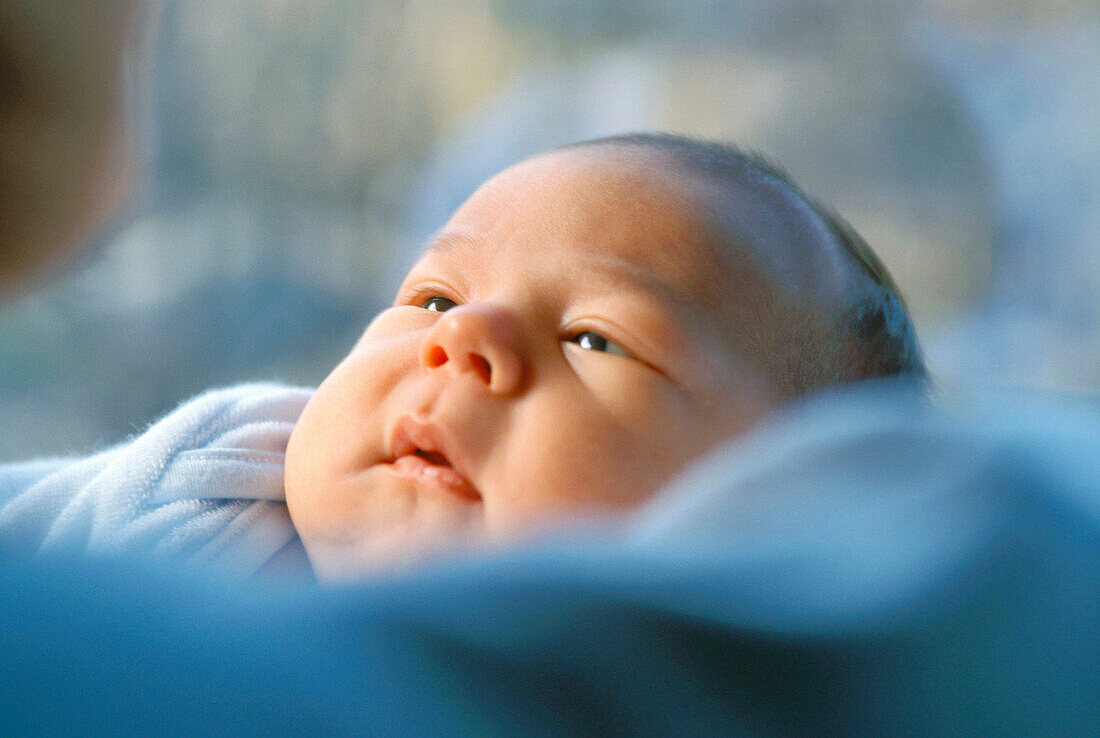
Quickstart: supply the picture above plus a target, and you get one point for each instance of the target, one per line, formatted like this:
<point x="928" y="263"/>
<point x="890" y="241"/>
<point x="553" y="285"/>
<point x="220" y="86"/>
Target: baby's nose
<point x="477" y="338"/>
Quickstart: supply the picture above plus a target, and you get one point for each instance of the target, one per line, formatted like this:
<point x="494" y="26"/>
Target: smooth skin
<point x="561" y="350"/>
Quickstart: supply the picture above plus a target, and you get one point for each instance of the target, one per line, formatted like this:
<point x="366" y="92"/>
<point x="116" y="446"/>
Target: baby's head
<point x="588" y="323"/>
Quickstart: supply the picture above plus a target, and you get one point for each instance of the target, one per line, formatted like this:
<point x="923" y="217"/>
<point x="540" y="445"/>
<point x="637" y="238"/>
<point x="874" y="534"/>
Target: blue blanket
<point x="866" y="564"/>
<point x="202" y="488"/>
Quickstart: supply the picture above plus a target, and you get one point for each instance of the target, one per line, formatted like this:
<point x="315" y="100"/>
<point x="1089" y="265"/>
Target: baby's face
<point x="561" y="350"/>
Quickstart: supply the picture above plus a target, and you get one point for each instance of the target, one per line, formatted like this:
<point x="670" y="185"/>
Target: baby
<point x="587" y="324"/>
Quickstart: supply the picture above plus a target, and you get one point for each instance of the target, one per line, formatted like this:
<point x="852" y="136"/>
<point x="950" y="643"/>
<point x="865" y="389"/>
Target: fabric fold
<point x="203" y="484"/>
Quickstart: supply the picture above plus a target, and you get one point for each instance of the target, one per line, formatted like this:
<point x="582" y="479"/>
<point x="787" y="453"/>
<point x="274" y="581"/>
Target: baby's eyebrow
<point x="623" y="273"/>
<point x="619" y="272"/>
<point x="445" y="241"/>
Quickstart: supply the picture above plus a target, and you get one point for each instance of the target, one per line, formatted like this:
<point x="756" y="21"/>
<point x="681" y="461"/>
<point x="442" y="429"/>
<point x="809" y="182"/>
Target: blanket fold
<point x="203" y="484"/>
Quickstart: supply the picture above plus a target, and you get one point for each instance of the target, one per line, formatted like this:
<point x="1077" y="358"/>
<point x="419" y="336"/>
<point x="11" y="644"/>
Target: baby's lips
<point x="410" y="435"/>
<point x="422" y="471"/>
<point x="427" y="444"/>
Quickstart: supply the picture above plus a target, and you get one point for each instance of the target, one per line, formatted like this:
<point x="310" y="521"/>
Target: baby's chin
<point x="384" y="554"/>
<point x="405" y="549"/>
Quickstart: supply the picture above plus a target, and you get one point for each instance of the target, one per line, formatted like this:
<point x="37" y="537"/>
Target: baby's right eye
<point x="438" y="304"/>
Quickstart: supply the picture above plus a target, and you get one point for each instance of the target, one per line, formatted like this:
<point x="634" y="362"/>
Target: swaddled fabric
<point x="866" y="564"/>
<point x="204" y="484"/>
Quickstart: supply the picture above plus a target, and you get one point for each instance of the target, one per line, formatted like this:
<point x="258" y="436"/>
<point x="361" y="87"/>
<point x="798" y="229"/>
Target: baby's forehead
<point x="597" y="207"/>
<point x="726" y="220"/>
<point x="761" y="225"/>
<point x="719" y="242"/>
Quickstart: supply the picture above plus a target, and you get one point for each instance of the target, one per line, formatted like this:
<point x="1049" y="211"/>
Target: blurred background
<point x="295" y="153"/>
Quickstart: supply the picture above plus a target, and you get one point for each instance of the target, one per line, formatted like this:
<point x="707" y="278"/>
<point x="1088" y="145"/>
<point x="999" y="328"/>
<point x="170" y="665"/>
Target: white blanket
<point x="204" y="484"/>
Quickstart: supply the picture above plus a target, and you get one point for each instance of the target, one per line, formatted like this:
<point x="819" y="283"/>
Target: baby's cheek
<point x="315" y="463"/>
<point x="572" y="465"/>
<point x="629" y="393"/>
<point x="294" y="460"/>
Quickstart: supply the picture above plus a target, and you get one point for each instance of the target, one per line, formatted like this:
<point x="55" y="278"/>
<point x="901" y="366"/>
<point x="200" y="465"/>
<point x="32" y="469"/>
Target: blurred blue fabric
<point x="869" y="563"/>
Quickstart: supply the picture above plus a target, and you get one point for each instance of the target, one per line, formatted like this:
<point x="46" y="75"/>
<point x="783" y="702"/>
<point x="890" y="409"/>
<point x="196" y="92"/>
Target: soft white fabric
<point x="203" y="484"/>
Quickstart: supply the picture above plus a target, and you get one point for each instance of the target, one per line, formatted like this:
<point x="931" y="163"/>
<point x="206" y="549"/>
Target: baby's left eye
<point x="592" y="341"/>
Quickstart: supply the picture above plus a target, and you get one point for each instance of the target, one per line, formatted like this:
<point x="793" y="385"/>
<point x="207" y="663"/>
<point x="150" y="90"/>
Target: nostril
<point x="436" y="357"/>
<point x="481" y="366"/>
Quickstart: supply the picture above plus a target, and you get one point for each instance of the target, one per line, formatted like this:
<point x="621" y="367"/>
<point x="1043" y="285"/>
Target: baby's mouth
<point x="433" y="469"/>
<point x="432" y="457"/>
<point x="418" y="455"/>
